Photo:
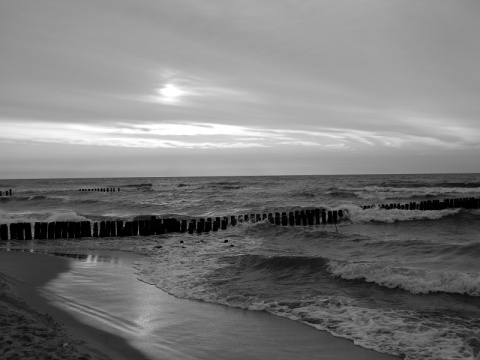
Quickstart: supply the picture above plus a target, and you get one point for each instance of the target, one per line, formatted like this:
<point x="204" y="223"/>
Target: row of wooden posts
<point x="466" y="203"/>
<point x="7" y="193"/>
<point x="101" y="189"/>
<point x="154" y="226"/>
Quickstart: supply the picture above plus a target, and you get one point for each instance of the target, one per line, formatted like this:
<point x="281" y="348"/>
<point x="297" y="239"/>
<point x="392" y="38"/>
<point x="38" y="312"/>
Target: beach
<point x="114" y="324"/>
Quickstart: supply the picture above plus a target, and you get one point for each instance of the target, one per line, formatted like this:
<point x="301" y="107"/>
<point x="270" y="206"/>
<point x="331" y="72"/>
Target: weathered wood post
<point x="277" y="218"/>
<point x="95" y="230"/>
<point x="271" y="219"/>
<point x="291" y="219"/>
<point x="317" y="216"/>
<point x="191" y="227"/>
<point x="28" y="231"/>
<point x="208" y="225"/>
<point x="335" y="216"/>
<point x="58" y="230"/>
<point x="113" y="230"/>
<point x="43" y="230"/>
<point x="4" y="232"/>
<point x="20" y="232"/>
<point x="233" y="220"/>
<point x="51" y="230"/>
<point x="36" y="230"/>
<point x="13" y="231"/>
<point x="183" y="227"/>
<point x="329" y="216"/>
<point x="103" y="229"/>
<point x="324" y="216"/>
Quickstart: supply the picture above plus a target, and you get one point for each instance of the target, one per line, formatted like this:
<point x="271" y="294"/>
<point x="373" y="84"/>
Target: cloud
<point x="193" y="135"/>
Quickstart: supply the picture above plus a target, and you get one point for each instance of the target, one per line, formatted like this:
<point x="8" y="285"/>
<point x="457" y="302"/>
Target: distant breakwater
<point x="160" y="226"/>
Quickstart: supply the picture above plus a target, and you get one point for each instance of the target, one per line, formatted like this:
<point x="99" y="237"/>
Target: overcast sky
<point x="93" y="88"/>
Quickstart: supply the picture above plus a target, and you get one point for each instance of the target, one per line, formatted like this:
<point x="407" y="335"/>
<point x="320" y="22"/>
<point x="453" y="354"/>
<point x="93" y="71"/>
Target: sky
<point x="106" y="88"/>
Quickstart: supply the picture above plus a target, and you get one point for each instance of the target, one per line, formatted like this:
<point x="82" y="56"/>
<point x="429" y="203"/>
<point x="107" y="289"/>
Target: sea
<point x="402" y="282"/>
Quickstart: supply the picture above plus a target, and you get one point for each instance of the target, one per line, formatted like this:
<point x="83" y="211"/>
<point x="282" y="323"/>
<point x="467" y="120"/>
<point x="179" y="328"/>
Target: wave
<point x="416" y="281"/>
<point x="294" y="287"/>
<point x="12" y="217"/>
<point x="138" y="186"/>
<point x="374" y="214"/>
<point x="389" y="192"/>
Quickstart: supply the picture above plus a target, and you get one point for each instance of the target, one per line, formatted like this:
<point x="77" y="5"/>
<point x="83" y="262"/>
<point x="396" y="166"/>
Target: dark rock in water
<point x="182" y="185"/>
<point x="232" y="245"/>
<point x="181" y="241"/>
<point x="225" y="241"/>
<point x="158" y="247"/>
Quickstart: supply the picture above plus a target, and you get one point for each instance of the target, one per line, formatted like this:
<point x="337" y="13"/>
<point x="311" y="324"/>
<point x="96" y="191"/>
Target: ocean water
<point x="403" y="282"/>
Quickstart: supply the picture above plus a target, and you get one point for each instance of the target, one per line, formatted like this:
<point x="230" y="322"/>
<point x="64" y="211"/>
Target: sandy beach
<point x="106" y="313"/>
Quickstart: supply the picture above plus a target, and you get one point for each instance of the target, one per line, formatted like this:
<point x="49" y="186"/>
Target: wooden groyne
<point x="156" y="226"/>
<point x="6" y="193"/>
<point x="465" y="203"/>
<point x="101" y="189"/>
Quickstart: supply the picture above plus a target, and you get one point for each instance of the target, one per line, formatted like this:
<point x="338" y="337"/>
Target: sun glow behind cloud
<point x="170" y="93"/>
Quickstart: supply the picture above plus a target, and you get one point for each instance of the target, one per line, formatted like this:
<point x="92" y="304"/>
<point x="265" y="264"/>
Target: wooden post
<point x="3" y="232"/>
<point x="317" y="216"/>
<point x="95" y="229"/>
<point x="86" y="229"/>
<point x="233" y="220"/>
<point x="271" y="219"/>
<point x="20" y="235"/>
<point x="208" y="225"/>
<point x="51" y="230"/>
<point x="224" y="224"/>
<point x="43" y="230"/>
<point x="310" y="217"/>
<point x="277" y="218"/>
<point x="58" y="230"/>
<point x="324" y="216"/>
<point x="335" y="216"/>
<point x="120" y="228"/>
<point x="141" y="227"/>
<point x="78" y="229"/>
<point x="28" y="231"/>
<point x="13" y="231"/>
<point x="284" y="219"/>
<point x="36" y="233"/>
<point x="103" y="229"/>
<point x="329" y="216"/>
<point x="191" y="227"/>
<point x="113" y="230"/>
<point x="200" y="227"/>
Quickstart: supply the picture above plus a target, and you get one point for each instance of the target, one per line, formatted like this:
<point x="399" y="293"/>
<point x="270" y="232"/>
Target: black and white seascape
<point x="404" y="282"/>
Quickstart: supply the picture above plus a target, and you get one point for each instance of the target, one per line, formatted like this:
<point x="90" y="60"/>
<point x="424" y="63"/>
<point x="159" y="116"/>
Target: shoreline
<point x="183" y="328"/>
<point x="22" y="272"/>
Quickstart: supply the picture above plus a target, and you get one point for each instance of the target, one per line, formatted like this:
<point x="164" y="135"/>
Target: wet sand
<point x="100" y="301"/>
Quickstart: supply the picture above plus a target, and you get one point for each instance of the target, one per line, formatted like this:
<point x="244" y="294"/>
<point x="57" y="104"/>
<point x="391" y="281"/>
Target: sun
<point x="170" y="92"/>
